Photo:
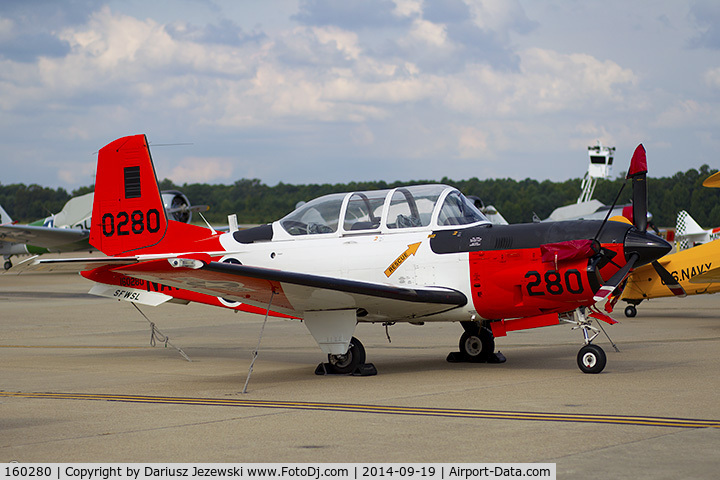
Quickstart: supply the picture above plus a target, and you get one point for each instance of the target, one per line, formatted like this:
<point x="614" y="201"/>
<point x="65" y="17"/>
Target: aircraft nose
<point x="646" y="246"/>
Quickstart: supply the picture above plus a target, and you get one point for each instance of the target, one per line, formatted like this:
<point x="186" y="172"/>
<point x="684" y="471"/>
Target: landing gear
<point x="591" y="359"/>
<point x="8" y="264"/>
<point x="630" y="311"/>
<point x="350" y="361"/>
<point x="477" y="345"/>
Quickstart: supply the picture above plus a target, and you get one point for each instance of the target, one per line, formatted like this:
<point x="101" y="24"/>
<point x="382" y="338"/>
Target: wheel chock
<point x="364" y="370"/>
<point x="457" y="357"/>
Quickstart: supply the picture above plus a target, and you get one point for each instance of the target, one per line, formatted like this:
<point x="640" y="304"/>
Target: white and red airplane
<point x="410" y="254"/>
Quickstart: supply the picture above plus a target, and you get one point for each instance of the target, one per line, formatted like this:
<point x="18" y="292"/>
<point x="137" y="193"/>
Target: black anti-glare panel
<point x="132" y="182"/>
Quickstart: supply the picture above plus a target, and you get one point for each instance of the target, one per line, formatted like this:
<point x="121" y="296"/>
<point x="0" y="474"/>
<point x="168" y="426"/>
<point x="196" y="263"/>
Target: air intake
<point x="132" y="182"/>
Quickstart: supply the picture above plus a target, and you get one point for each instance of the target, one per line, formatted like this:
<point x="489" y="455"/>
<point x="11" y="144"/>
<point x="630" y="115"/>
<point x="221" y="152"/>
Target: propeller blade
<point x="670" y="281"/>
<point x="638" y="173"/>
<point x="200" y="208"/>
<point x="604" y="291"/>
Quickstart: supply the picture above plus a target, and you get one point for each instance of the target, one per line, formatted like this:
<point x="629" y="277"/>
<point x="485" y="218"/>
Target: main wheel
<point x="348" y="362"/>
<point x="630" y="311"/>
<point x="477" y="347"/>
<point x="8" y="265"/>
<point x="591" y="359"/>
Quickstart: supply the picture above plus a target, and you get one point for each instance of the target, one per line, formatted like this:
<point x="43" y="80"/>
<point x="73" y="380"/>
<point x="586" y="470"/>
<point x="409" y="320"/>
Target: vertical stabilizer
<point x="688" y="232"/>
<point x="686" y="225"/>
<point x="4" y="217"/>
<point x="128" y="212"/>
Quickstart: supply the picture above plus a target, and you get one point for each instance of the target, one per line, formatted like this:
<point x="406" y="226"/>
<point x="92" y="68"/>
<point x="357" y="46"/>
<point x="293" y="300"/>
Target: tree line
<point x="517" y="200"/>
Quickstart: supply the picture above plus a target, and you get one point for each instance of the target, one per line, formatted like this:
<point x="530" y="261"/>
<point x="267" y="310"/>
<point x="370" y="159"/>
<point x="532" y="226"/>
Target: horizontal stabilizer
<point x="69" y="265"/>
<point x="39" y="236"/>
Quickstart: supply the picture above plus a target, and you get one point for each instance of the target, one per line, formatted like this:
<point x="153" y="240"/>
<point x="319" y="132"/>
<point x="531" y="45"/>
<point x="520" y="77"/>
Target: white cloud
<point x="472" y="143"/>
<point x="499" y="16"/>
<point x="547" y="82"/>
<point x="7" y="27"/>
<point x="712" y="78"/>
<point x="202" y="170"/>
<point x="407" y="8"/>
<point x="682" y="114"/>
<point x="429" y="33"/>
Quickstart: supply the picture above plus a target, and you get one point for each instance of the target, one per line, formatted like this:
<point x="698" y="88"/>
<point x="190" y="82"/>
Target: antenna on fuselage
<point x="207" y="223"/>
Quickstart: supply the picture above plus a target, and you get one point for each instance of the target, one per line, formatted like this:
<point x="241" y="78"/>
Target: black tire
<point x="8" y="265"/>
<point x="591" y="359"/>
<point x="477" y="347"/>
<point x="350" y="361"/>
<point x="630" y="311"/>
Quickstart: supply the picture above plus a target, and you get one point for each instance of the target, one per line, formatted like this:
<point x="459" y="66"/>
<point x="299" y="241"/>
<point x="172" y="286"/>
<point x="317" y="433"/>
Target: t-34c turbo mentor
<point x="411" y="254"/>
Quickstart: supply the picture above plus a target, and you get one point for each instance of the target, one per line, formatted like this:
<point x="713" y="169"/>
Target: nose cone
<point x="647" y="246"/>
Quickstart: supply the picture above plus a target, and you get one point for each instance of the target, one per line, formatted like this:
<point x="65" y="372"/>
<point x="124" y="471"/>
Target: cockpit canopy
<point x="433" y="206"/>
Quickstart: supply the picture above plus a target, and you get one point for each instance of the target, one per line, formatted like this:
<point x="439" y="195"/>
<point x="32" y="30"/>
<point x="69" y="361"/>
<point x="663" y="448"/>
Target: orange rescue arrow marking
<point x="411" y="250"/>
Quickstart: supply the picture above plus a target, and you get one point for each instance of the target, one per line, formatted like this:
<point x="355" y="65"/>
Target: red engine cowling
<point x="525" y="283"/>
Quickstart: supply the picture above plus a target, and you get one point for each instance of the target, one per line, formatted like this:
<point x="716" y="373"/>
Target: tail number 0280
<point x="136" y="222"/>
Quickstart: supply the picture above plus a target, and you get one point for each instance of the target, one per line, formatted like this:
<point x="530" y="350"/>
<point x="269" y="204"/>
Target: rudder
<point x="128" y="212"/>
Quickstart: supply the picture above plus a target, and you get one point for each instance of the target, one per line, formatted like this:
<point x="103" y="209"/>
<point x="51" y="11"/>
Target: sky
<point x="334" y="91"/>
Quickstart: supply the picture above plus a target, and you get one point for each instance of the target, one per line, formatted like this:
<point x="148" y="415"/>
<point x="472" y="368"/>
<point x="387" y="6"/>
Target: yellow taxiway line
<point x="382" y="409"/>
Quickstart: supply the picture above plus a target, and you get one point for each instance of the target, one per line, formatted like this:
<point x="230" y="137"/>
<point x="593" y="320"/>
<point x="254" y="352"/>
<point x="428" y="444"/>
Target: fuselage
<point x="427" y="236"/>
<point x="499" y="268"/>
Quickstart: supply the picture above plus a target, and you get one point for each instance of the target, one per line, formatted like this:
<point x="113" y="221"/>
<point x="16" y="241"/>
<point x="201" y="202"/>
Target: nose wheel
<point x="591" y="359"/>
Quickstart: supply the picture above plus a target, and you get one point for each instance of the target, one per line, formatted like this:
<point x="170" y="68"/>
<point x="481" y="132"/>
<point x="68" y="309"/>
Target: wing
<point x="711" y="276"/>
<point x="293" y="293"/>
<point x="46" y="237"/>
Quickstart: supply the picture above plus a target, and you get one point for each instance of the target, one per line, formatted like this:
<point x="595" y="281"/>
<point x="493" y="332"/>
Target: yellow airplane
<point x="695" y="270"/>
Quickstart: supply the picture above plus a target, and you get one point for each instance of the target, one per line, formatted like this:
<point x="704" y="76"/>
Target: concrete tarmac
<point x="56" y="339"/>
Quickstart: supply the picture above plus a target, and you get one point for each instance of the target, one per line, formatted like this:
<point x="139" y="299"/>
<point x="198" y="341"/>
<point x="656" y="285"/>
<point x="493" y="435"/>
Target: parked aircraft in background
<point x="69" y="229"/>
<point x="688" y="233"/>
<point x="695" y="270"/>
<point x="411" y="254"/>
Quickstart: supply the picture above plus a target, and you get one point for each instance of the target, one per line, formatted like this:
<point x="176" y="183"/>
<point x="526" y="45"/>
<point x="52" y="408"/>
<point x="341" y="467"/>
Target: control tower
<point x="601" y="160"/>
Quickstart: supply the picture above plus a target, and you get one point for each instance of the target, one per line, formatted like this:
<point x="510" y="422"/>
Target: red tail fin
<point x="128" y="211"/>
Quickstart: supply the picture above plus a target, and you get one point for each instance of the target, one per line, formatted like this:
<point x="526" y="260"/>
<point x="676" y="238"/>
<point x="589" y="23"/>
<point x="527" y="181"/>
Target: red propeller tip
<point x="638" y="164"/>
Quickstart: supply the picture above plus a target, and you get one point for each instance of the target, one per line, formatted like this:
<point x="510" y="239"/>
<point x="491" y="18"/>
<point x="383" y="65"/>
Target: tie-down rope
<point x="255" y="353"/>
<point x="156" y="334"/>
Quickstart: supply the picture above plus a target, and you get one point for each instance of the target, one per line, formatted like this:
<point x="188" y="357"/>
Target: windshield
<point x="458" y="210"/>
